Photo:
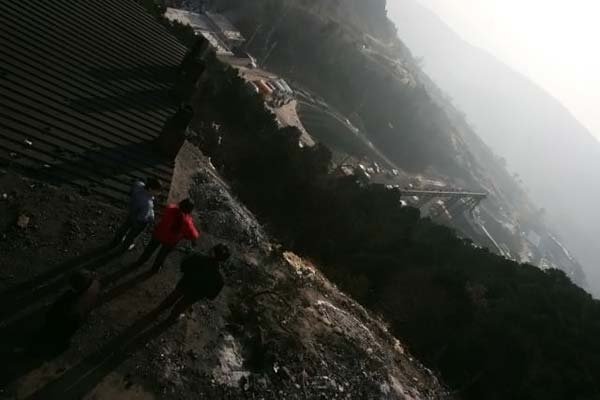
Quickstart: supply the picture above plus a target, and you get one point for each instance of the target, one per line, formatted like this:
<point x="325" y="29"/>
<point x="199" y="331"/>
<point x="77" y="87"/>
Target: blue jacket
<point x="141" y="204"/>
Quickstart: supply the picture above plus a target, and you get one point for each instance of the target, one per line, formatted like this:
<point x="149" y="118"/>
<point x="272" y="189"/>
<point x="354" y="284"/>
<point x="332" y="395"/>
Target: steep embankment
<point x="368" y="75"/>
<point x="557" y="158"/>
<point x="463" y="310"/>
<point x="278" y="330"/>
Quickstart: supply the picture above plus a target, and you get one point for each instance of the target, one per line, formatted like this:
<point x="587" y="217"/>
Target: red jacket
<point x="171" y="229"/>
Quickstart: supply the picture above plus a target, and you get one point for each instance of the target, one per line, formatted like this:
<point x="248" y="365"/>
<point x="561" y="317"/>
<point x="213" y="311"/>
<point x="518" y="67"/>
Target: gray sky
<point x="553" y="42"/>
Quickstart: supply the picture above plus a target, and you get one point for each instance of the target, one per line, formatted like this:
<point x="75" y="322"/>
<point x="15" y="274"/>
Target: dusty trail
<point x="278" y="330"/>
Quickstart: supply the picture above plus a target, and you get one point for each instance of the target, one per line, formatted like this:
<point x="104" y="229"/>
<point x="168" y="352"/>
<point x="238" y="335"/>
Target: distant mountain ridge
<point x="557" y="158"/>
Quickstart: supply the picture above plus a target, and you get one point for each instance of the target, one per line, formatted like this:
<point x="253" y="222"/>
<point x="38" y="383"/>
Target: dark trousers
<point x="180" y="300"/>
<point x="149" y="251"/>
<point x="130" y="230"/>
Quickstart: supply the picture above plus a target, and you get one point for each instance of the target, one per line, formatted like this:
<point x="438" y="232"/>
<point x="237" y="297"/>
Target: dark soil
<point x="278" y="330"/>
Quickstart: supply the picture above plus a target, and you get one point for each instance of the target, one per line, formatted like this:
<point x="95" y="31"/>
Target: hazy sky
<point x="553" y="42"/>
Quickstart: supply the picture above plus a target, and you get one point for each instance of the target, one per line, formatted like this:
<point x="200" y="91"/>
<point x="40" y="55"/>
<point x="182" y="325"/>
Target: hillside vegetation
<point x="495" y="329"/>
<point x="366" y="73"/>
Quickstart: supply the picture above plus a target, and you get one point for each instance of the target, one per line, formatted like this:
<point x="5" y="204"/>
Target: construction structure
<point x="201" y="25"/>
<point x="223" y="36"/>
<point x="228" y="32"/>
<point x="434" y="202"/>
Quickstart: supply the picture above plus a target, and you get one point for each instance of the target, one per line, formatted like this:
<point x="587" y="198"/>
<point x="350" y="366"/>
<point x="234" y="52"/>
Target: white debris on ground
<point x="230" y="370"/>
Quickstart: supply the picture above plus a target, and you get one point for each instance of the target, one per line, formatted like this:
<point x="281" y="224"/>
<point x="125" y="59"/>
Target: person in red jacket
<point x="175" y="225"/>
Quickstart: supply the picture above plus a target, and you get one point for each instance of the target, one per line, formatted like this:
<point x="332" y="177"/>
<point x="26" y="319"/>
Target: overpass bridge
<point x="455" y="201"/>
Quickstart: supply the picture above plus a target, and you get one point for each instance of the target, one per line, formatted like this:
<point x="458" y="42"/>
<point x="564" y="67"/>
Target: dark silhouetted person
<point x="140" y="214"/>
<point x="175" y="225"/>
<point x="68" y="312"/>
<point x="201" y="279"/>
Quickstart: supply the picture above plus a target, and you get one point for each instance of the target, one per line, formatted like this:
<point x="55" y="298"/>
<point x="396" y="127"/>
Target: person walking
<point x="201" y="279"/>
<point x="140" y="214"/>
<point x="175" y="225"/>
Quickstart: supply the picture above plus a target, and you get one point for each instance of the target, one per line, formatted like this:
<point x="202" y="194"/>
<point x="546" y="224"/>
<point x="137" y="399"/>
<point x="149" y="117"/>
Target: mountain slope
<point x="463" y="310"/>
<point x="557" y="158"/>
<point x="278" y="330"/>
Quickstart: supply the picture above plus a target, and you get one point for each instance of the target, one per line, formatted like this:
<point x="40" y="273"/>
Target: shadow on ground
<point x="24" y="309"/>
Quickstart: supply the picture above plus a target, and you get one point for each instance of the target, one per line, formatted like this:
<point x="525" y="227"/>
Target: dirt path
<point x="278" y="330"/>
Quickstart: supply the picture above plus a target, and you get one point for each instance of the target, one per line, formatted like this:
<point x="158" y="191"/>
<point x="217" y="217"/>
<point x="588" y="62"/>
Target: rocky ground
<point x="279" y="330"/>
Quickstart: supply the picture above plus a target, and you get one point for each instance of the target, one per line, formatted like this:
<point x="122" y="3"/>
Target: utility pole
<point x="247" y="44"/>
<point x="264" y="61"/>
<point x="276" y="26"/>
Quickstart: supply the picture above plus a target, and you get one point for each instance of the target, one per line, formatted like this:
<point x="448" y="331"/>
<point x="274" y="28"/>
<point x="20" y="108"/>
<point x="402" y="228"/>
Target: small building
<point x="203" y="25"/>
<point x="347" y="170"/>
<point x="283" y="86"/>
<point x="264" y="89"/>
<point x="228" y="32"/>
<point x="195" y="20"/>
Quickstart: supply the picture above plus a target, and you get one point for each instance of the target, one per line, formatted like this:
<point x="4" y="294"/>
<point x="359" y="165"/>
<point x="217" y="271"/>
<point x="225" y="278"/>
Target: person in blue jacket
<point x="140" y="214"/>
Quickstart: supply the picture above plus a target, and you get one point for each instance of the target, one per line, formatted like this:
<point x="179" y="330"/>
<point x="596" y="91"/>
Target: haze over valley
<point x="555" y="156"/>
